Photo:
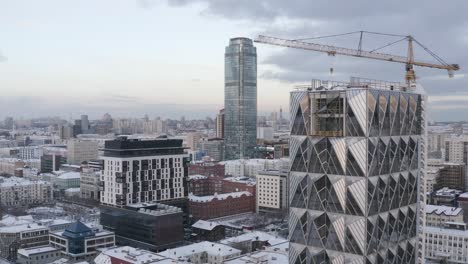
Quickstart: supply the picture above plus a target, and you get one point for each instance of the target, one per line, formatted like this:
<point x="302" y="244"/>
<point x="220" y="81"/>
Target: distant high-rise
<point x="220" y="124"/>
<point x="84" y="124"/>
<point x="240" y="99"/>
<point x="357" y="173"/>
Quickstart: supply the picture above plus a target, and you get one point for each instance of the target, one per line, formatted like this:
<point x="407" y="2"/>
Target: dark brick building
<point x="452" y="176"/>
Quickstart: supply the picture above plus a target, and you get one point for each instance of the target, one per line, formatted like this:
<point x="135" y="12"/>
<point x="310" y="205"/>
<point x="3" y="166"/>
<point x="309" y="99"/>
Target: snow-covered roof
<point x="69" y="175"/>
<point x="208" y="247"/>
<point x="264" y="256"/>
<point x="205" y="225"/>
<point x="241" y="179"/>
<point x="463" y="195"/>
<point x="21" y="228"/>
<point x="9" y="220"/>
<point x="254" y="236"/>
<point x="197" y="177"/>
<point x="72" y="190"/>
<point x="440" y="209"/>
<point x="130" y="255"/>
<point x="36" y="250"/>
<point x="17" y="181"/>
<point x="222" y="196"/>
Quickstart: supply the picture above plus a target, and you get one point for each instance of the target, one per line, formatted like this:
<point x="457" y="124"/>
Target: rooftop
<point x="255" y="236"/>
<point x="36" y="250"/>
<point x="131" y="255"/>
<point x="209" y="247"/>
<point x="69" y="175"/>
<point x="22" y="228"/>
<point x="356" y="83"/>
<point x="205" y="225"/>
<point x="223" y="196"/>
<point x="439" y="210"/>
<point x="241" y="179"/>
<point x="197" y="177"/>
<point x="6" y="182"/>
<point x="264" y="257"/>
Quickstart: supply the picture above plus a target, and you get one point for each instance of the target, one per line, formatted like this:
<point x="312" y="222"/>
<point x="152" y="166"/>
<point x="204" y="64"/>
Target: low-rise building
<point x="80" y="242"/>
<point x="463" y="203"/>
<point x="15" y="191"/>
<point x="15" y="237"/>
<point x="148" y="226"/>
<point x="208" y="231"/>
<point x="201" y="253"/>
<point x="130" y="255"/>
<point x="253" y="241"/>
<point x="437" y="215"/>
<point x="446" y="245"/>
<point x="67" y="180"/>
<point x="263" y="256"/>
<point x="219" y="205"/>
<point x="445" y="196"/>
<point x="38" y="255"/>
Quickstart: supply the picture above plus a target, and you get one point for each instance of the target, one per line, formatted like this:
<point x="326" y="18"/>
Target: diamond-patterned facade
<point x="355" y="168"/>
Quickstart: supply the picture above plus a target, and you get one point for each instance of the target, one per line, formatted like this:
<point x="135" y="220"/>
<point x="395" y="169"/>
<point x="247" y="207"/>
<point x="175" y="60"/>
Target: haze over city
<point x="75" y="57"/>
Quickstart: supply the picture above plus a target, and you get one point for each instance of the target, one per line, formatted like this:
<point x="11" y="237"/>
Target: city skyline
<point x="124" y="60"/>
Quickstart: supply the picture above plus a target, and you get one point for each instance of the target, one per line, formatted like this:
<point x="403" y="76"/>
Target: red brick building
<point x="213" y="197"/>
<point x="219" y="205"/>
<point x="207" y="169"/>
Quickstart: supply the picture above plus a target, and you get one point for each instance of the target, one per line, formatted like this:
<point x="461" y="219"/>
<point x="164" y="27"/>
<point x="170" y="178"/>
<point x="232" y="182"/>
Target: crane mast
<point x="409" y="60"/>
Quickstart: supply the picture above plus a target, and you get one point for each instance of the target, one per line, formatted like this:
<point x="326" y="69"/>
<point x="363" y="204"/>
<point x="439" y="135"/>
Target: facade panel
<point x="355" y="173"/>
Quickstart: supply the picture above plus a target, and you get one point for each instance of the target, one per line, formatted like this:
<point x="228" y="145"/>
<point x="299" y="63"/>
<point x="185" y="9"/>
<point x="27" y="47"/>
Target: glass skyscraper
<point x="240" y="99"/>
<point x="357" y="173"/>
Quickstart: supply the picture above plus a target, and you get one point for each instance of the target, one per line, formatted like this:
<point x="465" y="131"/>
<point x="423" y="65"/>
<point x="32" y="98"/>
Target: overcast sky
<point x="166" y="58"/>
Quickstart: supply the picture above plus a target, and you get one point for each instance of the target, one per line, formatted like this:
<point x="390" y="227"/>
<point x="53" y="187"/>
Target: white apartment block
<point x="80" y="150"/>
<point x="16" y="191"/>
<point x="30" y="152"/>
<point x="439" y="215"/>
<point x="443" y="245"/>
<point x="89" y="183"/>
<point x="271" y="191"/>
<point x="456" y="148"/>
<point x="143" y="171"/>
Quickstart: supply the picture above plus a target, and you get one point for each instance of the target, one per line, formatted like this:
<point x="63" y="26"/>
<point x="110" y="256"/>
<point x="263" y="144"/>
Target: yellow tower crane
<point x="409" y="60"/>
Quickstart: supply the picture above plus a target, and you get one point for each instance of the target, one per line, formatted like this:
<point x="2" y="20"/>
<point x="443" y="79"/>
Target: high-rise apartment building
<point x="240" y="99"/>
<point x="220" y="124"/>
<point x="144" y="171"/>
<point x="356" y="155"/>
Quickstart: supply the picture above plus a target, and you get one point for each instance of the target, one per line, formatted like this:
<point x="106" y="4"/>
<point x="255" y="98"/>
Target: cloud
<point x="3" y="58"/>
<point x="441" y="27"/>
